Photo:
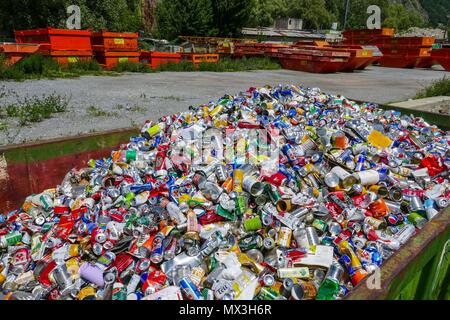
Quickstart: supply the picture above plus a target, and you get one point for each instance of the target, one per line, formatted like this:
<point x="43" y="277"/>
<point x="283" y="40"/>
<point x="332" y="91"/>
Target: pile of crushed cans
<point x="278" y="193"/>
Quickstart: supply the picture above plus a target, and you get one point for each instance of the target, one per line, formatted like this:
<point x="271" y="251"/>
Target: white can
<point x="368" y="177"/>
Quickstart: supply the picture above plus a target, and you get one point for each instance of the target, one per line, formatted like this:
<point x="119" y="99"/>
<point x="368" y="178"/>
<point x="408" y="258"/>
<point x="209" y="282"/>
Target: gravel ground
<point x="133" y="98"/>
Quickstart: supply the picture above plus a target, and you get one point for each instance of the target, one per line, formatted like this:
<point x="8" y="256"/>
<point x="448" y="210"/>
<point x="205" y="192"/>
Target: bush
<point x="182" y="66"/>
<point x="437" y="88"/>
<point x="37" y="65"/>
<point x="84" y="65"/>
<point x="37" y="109"/>
<point x="224" y="65"/>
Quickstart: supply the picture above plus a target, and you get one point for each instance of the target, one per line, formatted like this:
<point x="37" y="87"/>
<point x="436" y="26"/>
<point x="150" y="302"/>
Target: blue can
<point x="190" y="290"/>
<point x="360" y="162"/>
<point x="141" y="188"/>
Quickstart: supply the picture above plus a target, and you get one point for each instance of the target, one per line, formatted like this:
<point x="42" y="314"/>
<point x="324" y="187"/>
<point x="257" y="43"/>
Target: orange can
<point x="379" y="208"/>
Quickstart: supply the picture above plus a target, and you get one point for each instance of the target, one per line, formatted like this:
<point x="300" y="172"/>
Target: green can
<point x="253" y="241"/>
<point x="272" y="193"/>
<point x="225" y="213"/>
<point x="10" y="239"/>
<point x="253" y="224"/>
<point x="267" y="293"/>
<point x="417" y="220"/>
<point x="129" y="197"/>
<point x="320" y="225"/>
<point x="119" y="291"/>
<point x="130" y="155"/>
<point x="241" y="204"/>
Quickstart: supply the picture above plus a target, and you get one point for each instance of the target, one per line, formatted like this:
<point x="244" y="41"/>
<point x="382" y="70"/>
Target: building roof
<point x="272" y="32"/>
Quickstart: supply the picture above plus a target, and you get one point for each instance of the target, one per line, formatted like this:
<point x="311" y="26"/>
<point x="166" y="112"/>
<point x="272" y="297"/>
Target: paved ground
<point x="150" y="96"/>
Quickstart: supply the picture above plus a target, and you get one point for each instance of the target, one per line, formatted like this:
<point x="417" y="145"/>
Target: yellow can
<point x="217" y="110"/>
<point x="238" y="178"/>
<point x="86" y="292"/>
<point x="74" y="250"/>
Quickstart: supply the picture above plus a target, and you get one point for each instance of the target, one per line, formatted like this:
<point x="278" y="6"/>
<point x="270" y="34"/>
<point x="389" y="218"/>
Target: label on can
<point x="368" y="177"/>
<point x="284" y="237"/>
<point x="298" y="272"/>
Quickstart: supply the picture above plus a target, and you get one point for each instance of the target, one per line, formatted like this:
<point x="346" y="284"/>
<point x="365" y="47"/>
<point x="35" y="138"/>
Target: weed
<point x="169" y="98"/>
<point x="36" y="109"/>
<point x="94" y="111"/>
<point x="437" y="88"/>
<point x="223" y="65"/>
<point x="132" y="67"/>
<point x="136" y="108"/>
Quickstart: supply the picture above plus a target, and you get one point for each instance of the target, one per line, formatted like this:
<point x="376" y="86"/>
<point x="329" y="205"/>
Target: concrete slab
<point x="439" y="104"/>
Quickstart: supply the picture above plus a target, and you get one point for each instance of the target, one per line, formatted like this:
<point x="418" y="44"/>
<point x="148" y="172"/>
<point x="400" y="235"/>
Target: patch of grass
<point x="136" y="108"/>
<point x="38" y="67"/>
<point x="36" y="109"/>
<point x="94" y="111"/>
<point x="437" y="88"/>
<point x="224" y="65"/>
<point x="182" y="66"/>
<point x="132" y="67"/>
<point x="168" y="98"/>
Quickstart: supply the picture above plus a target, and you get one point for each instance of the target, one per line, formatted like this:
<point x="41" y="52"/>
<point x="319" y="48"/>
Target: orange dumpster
<point x="399" y="61"/>
<point x="57" y="39"/>
<point x="114" y="41"/>
<point x="313" y="64"/>
<point x="198" y="58"/>
<point x="313" y="59"/>
<point x="365" y="58"/>
<point x="15" y="52"/>
<point x="67" y="57"/>
<point x="369" y="32"/>
<point x="425" y="62"/>
<point x="154" y="59"/>
<point x="111" y="59"/>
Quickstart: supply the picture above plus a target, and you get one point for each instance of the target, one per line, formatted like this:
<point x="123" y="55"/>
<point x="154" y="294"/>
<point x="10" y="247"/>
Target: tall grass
<point x="38" y="67"/>
<point x="132" y="67"/>
<point x="33" y="109"/>
<point x="437" y="88"/>
<point x="224" y="65"/>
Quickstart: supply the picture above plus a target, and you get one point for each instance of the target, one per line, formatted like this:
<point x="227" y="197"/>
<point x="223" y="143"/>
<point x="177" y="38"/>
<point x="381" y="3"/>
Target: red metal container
<point x="313" y="64"/>
<point x="443" y="53"/>
<point x="444" y="62"/>
<point x="57" y="39"/>
<point x="155" y="59"/>
<point x="398" y="61"/>
<point x="369" y="32"/>
<point x="114" y="41"/>
<point x="111" y="59"/>
<point x="411" y="41"/>
<point x="425" y="62"/>
<point x="15" y="52"/>
<point x="66" y="57"/>
<point x="406" y="50"/>
<point x="199" y="58"/>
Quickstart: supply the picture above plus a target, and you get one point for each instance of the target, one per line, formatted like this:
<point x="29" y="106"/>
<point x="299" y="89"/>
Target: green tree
<point x="401" y="19"/>
<point x="230" y="16"/>
<point x="313" y="12"/>
<point x="114" y="15"/>
<point x="265" y="12"/>
<point x="180" y="17"/>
